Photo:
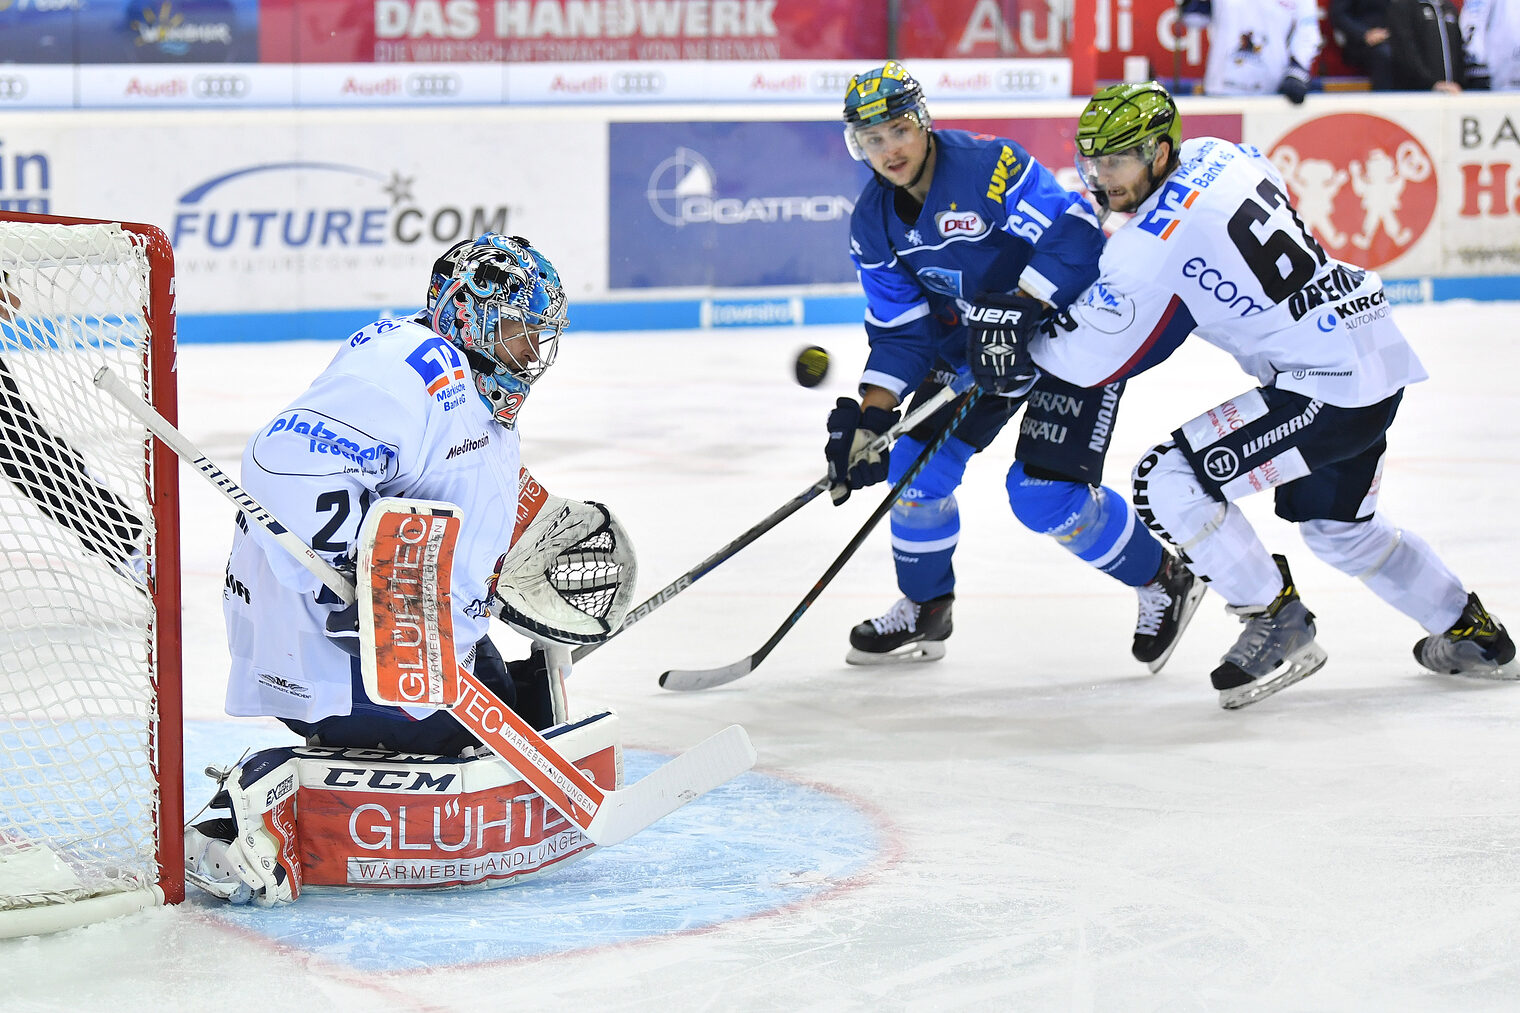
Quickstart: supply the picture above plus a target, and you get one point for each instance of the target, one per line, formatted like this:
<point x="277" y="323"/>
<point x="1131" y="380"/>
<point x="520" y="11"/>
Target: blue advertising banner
<point x="129" y="31"/>
<point x="730" y="204"/>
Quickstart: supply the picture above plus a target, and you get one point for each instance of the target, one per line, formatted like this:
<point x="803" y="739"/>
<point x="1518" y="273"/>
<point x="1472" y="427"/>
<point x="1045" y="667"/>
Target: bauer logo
<point x="1366" y="186"/>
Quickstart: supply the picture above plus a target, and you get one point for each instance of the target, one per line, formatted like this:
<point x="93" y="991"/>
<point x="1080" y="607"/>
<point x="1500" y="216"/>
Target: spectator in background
<point x="1491" y="30"/>
<point x="1427" y="46"/>
<point x="1361" y="30"/>
<point x="1257" y="47"/>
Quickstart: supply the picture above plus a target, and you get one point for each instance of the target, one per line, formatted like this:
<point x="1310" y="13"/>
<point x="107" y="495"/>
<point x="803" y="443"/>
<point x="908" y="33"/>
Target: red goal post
<point x="91" y="765"/>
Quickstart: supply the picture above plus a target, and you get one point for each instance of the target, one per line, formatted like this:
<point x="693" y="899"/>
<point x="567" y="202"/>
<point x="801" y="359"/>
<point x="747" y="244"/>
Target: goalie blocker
<point x="301" y="816"/>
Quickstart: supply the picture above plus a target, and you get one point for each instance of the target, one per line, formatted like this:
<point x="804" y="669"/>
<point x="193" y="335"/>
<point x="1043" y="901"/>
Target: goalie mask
<point x="504" y="308"/>
<point x="569" y="577"/>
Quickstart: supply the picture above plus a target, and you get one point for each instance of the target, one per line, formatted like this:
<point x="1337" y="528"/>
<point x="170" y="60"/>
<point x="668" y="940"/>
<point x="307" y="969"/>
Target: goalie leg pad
<point x="373" y="818"/>
<point x="568" y="577"/>
<point x="252" y="853"/>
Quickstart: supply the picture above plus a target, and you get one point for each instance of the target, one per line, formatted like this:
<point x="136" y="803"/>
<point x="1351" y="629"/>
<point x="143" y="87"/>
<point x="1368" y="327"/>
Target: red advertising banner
<point x="960" y="29"/>
<point x="524" y="31"/>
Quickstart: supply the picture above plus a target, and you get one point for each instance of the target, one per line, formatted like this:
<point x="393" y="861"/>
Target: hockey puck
<point x="812" y="366"/>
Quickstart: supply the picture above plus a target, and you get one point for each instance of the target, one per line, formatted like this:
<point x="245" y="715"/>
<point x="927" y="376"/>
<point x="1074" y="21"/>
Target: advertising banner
<point x="280" y="213"/>
<point x="129" y="31"/>
<point x="729" y="204"/>
<point x="521" y="31"/>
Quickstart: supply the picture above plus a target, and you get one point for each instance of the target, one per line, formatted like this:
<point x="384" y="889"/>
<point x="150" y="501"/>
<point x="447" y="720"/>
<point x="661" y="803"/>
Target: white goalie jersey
<point x="394" y="414"/>
<point x="1218" y="250"/>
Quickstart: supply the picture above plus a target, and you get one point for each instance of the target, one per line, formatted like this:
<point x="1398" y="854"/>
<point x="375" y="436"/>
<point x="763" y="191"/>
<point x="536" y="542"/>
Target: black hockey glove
<point x="852" y="462"/>
<point x="343" y="620"/>
<point x="997" y="348"/>
<point x="1295" y="84"/>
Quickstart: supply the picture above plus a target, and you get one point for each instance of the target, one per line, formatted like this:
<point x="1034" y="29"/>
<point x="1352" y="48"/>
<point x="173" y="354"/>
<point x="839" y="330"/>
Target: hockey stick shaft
<point x="691" y="679"/>
<point x="914" y="419"/>
<point x="604" y="816"/>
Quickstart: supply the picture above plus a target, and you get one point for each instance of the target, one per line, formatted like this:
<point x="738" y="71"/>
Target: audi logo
<point x="215" y="86"/>
<point x="1020" y="80"/>
<point x="830" y="82"/>
<point x="433" y="85"/>
<point x="638" y="82"/>
<point x="12" y="88"/>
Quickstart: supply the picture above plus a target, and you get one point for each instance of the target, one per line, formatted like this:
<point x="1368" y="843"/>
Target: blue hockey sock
<point x="1094" y="523"/>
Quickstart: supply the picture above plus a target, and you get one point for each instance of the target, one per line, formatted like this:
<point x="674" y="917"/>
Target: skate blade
<point x="1189" y="606"/>
<point x="1501" y="673"/>
<point x="922" y="650"/>
<point x="1298" y="667"/>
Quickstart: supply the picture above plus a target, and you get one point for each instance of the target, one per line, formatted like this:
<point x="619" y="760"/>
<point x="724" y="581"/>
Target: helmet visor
<point x="1097" y="170"/>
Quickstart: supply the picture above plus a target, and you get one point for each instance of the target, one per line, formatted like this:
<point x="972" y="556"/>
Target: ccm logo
<point x="12" y="88"/>
<point x="433" y="85"/>
<point x="220" y="86"/>
<point x="638" y="82"/>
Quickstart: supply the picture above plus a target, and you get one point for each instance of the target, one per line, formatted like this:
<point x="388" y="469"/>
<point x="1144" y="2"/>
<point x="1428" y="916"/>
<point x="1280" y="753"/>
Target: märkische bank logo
<point x="683" y="190"/>
<point x="1363" y="184"/>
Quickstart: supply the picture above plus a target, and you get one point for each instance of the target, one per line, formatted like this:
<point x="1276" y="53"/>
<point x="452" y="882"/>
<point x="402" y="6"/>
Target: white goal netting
<point x="83" y="740"/>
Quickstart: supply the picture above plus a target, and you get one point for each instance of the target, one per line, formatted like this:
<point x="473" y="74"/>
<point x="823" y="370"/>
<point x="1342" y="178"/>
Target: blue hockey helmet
<point x="881" y="94"/>
<point x="502" y="289"/>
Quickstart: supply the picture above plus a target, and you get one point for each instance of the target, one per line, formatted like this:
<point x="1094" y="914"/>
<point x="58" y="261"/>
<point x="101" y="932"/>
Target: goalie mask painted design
<point x="504" y="308"/>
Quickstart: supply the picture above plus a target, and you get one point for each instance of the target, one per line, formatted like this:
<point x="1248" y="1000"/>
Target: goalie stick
<point x="915" y="418"/>
<point x="605" y="816"/>
<point x="705" y="678"/>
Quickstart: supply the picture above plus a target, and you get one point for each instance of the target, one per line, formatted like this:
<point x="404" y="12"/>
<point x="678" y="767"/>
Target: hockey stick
<point x="914" y="419"/>
<point x="605" y="816"/>
<point x="705" y="678"/>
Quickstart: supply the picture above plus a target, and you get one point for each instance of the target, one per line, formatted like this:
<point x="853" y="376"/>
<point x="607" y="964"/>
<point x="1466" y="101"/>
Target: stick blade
<point x="715" y="760"/>
<point x="684" y="679"/>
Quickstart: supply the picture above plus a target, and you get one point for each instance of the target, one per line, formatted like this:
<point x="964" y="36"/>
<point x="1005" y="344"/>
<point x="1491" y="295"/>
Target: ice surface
<point x="1033" y="823"/>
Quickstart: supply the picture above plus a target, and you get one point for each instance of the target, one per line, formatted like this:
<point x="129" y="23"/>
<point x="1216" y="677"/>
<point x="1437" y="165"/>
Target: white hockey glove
<point x="252" y="854"/>
<point x="569" y="577"/>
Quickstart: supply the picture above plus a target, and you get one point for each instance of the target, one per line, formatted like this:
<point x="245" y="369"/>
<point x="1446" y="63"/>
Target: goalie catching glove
<point x="569" y="576"/>
<point x="997" y="347"/>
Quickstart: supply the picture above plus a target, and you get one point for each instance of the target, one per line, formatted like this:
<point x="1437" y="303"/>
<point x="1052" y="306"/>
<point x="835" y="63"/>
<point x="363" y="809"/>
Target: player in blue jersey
<point x="954" y="232"/>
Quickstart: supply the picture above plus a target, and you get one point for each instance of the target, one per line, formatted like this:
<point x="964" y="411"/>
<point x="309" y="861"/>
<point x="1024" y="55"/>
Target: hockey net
<point x="91" y="776"/>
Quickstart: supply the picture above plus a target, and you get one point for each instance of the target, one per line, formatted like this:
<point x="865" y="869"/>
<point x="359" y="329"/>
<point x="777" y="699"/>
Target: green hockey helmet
<point x="1125" y="119"/>
<point x="881" y="94"/>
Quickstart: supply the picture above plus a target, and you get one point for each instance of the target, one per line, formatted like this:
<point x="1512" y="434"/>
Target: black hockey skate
<point x="1476" y="645"/>
<point x="908" y="631"/>
<point x="1275" y="650"/>
<point x="1167" y="605"/>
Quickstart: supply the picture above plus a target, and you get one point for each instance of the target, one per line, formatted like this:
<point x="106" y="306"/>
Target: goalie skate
<point x="1274" y="651"/>
<point x="906" y="632"/>
<point x="1477" y="646"/>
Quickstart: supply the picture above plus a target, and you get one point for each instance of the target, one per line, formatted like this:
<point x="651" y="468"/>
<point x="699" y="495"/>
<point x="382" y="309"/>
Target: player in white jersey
<point x="1215" y="248"/>
<point x="1258" y="47"/>
<point x="423" y="407"/>
<point x="1491" y="32"/>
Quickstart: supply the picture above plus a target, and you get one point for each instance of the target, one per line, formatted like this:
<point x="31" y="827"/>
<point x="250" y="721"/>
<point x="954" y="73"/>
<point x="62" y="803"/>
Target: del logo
<point x="1364" y="185"/>
<point x="1163" y="218"/>
<point x="438" y="363"/>
<point x="959" y="223"/>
